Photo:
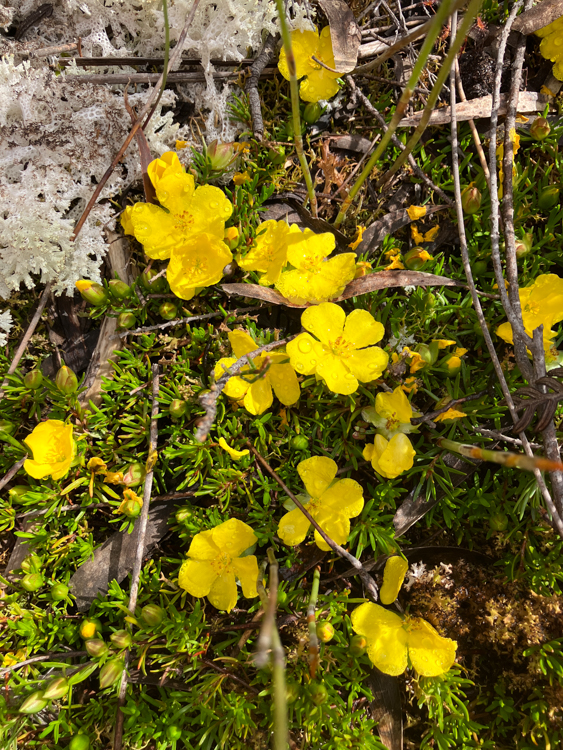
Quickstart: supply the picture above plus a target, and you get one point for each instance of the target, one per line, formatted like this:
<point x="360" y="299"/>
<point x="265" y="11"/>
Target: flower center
<point x="55" y="454"/>
<point x="222" y="564"/>
<point x="341" y="347"/>
<point x="194" y="269"/>
<point x="532" y="308"/>
<point x="184" y="222"/>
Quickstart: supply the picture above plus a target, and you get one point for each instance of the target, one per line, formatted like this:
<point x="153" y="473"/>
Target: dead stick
<point x="44" y="657"/>
<point x="368" y="581"/>
<point x="182" y="321"/>
<point x="12" y="472"/>
<point x="251" y="87"/>
<point x="138" y="564"/>
<point x="154" y="93"/>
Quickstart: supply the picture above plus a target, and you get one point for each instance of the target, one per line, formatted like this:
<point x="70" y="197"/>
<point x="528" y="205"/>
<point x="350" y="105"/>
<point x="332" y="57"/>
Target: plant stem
<point x="505" y="458"/>
<point x="298" y="140"/>
<point x="434" y="30"/>
<point x="312" y="625"/>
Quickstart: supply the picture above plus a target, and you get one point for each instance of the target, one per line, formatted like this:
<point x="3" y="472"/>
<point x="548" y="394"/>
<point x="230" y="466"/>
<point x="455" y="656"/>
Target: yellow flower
<point x="214" y="560"/>
<point x="393" y="641"/>
<point x="239" y="178"/>
<point x="184" y="212"/>
<point x="332" y="503"/>
<point x="53" y="450"/>
<point x="314" y="279"/>
<point x="416" y="212"/>
<point x="198" y="263"/>
<point x="269" y="252"/>
<point x="344" y="354"/>
<point x="390" y="457"/>
<point x="551" y="48"/>
<point x="96" y="466"/>
<point x="542" y="304"/>
<point x="257" y="395"/>
<point x="392" y="413"/>
<point x="233" y="453"/>
<point x="319" y="82"/>
<point x="395" y="263"/>
<point x="359" y="237"/>
<point x="442" y="343"/>
<point x="450" y="414"/>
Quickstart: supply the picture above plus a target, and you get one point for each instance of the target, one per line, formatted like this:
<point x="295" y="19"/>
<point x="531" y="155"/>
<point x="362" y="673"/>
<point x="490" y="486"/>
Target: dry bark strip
<point x="344" y="32"/>
<point x="539" y="16"/>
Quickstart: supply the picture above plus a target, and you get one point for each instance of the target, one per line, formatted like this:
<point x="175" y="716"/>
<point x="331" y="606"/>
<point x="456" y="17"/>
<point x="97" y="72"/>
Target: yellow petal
<point x="429" y="652"/>
<point x="337" y="375"/>
<point x="203" y="546"/>
<point x="367" y="364"/>
<point x="319" y="85"/>
<point x="442" y="343"/>
<point x="196" y="577"/>
<point x="358" y="238"/>
<point x="293" y="527"/>
<point x="236" y="387"/>
<point x="308" y="249"/>
<point x="430" y="236"/>
<point x="393" y="576"/>
<point x="269" y="253"/>
<point x="368" y="619"/>
<point x="416" y="235"/>
<point x="223" y="594"/>
<point x="126" y="222"/>
<point x="175" y="191"/>
<point x="316" y="474"/>
<point x="397" y="457"/>
<point x="199" y="262"/>
<point x="233" y="453"/>
<point x="395" y="264"/>
<point x="322" y="282"/>
<point x="233" y="537"/>
<point x="210" y="209"/>
<point x="259" y="396"/>
<point x="246" y="570"/>
<point x="450" y="414"/>
<point x="394" y="406"/>
<point x="362" y="329"/>
<point x="241" y="343"/>
<point x="388" y="651"/>
<point x="304" y="44"/>
<point x="416" y="212"/>
<point x="326" y="54"/>
<point x="167" y="164"/>
<point x="305" y="353"/>
<point x="325" y="321"/>
<point x="155" y="229"/>
<point x="335" y="525"/>
<point x="345" y="496"/>
<point x="285" y="384"/>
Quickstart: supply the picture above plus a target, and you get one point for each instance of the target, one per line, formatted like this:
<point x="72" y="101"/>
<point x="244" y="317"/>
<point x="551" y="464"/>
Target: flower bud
<point x="153" y="615"/>
<point x="56" y="689"/>
<point x="32" y="582"/>
<point x="183" y="514"/>
<point x="168" y="310"/>
<point x="33" y="703"/>
<point x="471" y="200"/>
<point x="300" y="442"/>
<point x="524" y="246"/>
<point x="121" y="638"/>
<point x="232" y="238"/>
<point x="89" y="627"/>
<point x="416" y="258"/>
<point x="32" y="563"/>
<point x="479" y="267"/>
<point x="173" y="732"/>
<point x="498" y="522"/>
<point x="325" y="631"/>
<point x="66" y="381"/>
<point x="178" y="407"/>
<point x="59" y="592"/>
<point x="318" y="692"/>
<point x="95" y="647"/>
<point x="119" y="289"/>
<point x="540" y="129"/>
<point x="126" y="320"/>
<point x="156" y="287"/>
<point x="79" y="742"/>
<point x="33" y="379"/>
<point x="276" y="155"/>
<point x="93" y="293"/>
<point x="7" y="426"/>
<point x="292" y="691"/>
<point x="358" y="645"/>
<point x="131" y="504"/>
<point x="549" y="197"/>
<point x="221" y="155"/>
<point x="428" y="353"/>
<point x="134" y="475"/>
<point x="452" y="364"/>
<point x="312" y="112"/>
<point x="111" y="672"/>
<point x="16" y="492"/>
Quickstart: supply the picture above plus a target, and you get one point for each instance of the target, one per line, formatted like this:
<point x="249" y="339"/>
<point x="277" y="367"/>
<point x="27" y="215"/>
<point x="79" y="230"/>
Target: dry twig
<point x="251" y="86"/>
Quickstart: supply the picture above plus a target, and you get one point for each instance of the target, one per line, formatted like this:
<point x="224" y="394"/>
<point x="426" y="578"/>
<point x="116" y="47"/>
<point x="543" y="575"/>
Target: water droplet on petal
<point x="213" y="205"/>
<point x="349" y="376"/>
<point x="304" y="346"/>
<point x="313" y="362"/>
<point x="299" y="367"/>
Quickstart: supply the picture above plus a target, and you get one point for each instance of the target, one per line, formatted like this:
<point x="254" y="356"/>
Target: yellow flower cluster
<point x="391" y="452"/>
<point x="188" y="227"/>
<point x="314" y="62"/>
<point x="551" y="46"/>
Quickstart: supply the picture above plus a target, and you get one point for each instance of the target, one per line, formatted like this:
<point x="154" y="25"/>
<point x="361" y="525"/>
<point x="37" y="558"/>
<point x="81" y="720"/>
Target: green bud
<point x="83" y="673"/>
<point x="540" y="129"/>
<point x="157" y="287"/>
<point x="32" y="564"/>
<point x="428" y="353"/>
<point x="134" y="475"/>
<point x="429" y="300"/>
<point x="130" y="508"/>
<point x="479" y="267"/>
<point x="6" y="426"/>
<point x="95" y="647"/>
<point x="232" y="238"/>
<point x="89" y="627"/>
<point x="119" y="289"/>
<point x="471" y="200"/>
<point x="168" y="310"/>
<point x="32" y="582"/>
<point x="276" y="155"/>
<point x="33" y="703"/>
<point x="33" y="379"/>
<point x="498" y="522"/>
<point x="173" y="732"/>
<point x="325" y="631"/>
<point x="318" y="692"/>
<point x="121" y="638"/>
<point x="549" y="197"/>
<point x="221" y="155"/>
<point x="358" y="645"/>
<point x="312" y="112"/>
<point x="56" y="689"/>
<point x="17" y="492"/>
<point x="525" y="245"/>
<point x="153" y="615"/>
<point x="59" y="592"/>
<point x="126" y="320"/>
<point x="93" y="293"/>
<point x="292" y="691"/>
<point x="184" y="514"/>
<point x="111" y="672"/>
<point x="66" y="381"/>
<point x="416" y="258"/>
<point x="300" y="442"/>
<point x="79" y="742"/>
<point x="178" y="407"/>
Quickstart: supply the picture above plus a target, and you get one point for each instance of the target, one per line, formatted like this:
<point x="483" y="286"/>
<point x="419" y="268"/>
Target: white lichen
<point x="6" y="323"/>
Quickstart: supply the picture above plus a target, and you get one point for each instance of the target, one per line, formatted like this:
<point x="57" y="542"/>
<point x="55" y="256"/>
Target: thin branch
<point x="11" y="473"/>
<point x="367" y="580"/>
<point x="27" y="337"/>
<point x="183" y="321"/>
<point x="138" y="563"/>
<point x="269" y="620"/>
<point x="312" y="625"/>
<point x="454" y="402"/>
<point x="44" y="657"/>
<point x="251" y="86"/>
<point x="209" y="400"/>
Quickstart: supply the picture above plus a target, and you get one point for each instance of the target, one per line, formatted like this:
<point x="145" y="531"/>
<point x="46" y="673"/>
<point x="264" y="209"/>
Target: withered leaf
<point x="345" y="34"/>
<point x="539" y="16"/>
<point x="389" y="224"/>
<point x="386" y="708"/>
<point x="531" y="400"/>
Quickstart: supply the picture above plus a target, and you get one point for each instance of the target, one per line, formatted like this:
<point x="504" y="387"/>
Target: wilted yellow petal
<point x="416" y="212"/>
<point x="417" y="236"/>
<point x="393" y="576"/>
<point x="233" y="453"/>
<point x="431" y="235"/>
<point x="450" y="414"/>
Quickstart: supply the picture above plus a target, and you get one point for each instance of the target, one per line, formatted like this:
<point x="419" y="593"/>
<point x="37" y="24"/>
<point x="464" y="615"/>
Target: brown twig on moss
<point x="367" y="580"/>
<point x="251" y="86"/>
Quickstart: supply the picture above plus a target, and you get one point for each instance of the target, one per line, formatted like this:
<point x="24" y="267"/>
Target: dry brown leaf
<point x="345" y="34"/>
